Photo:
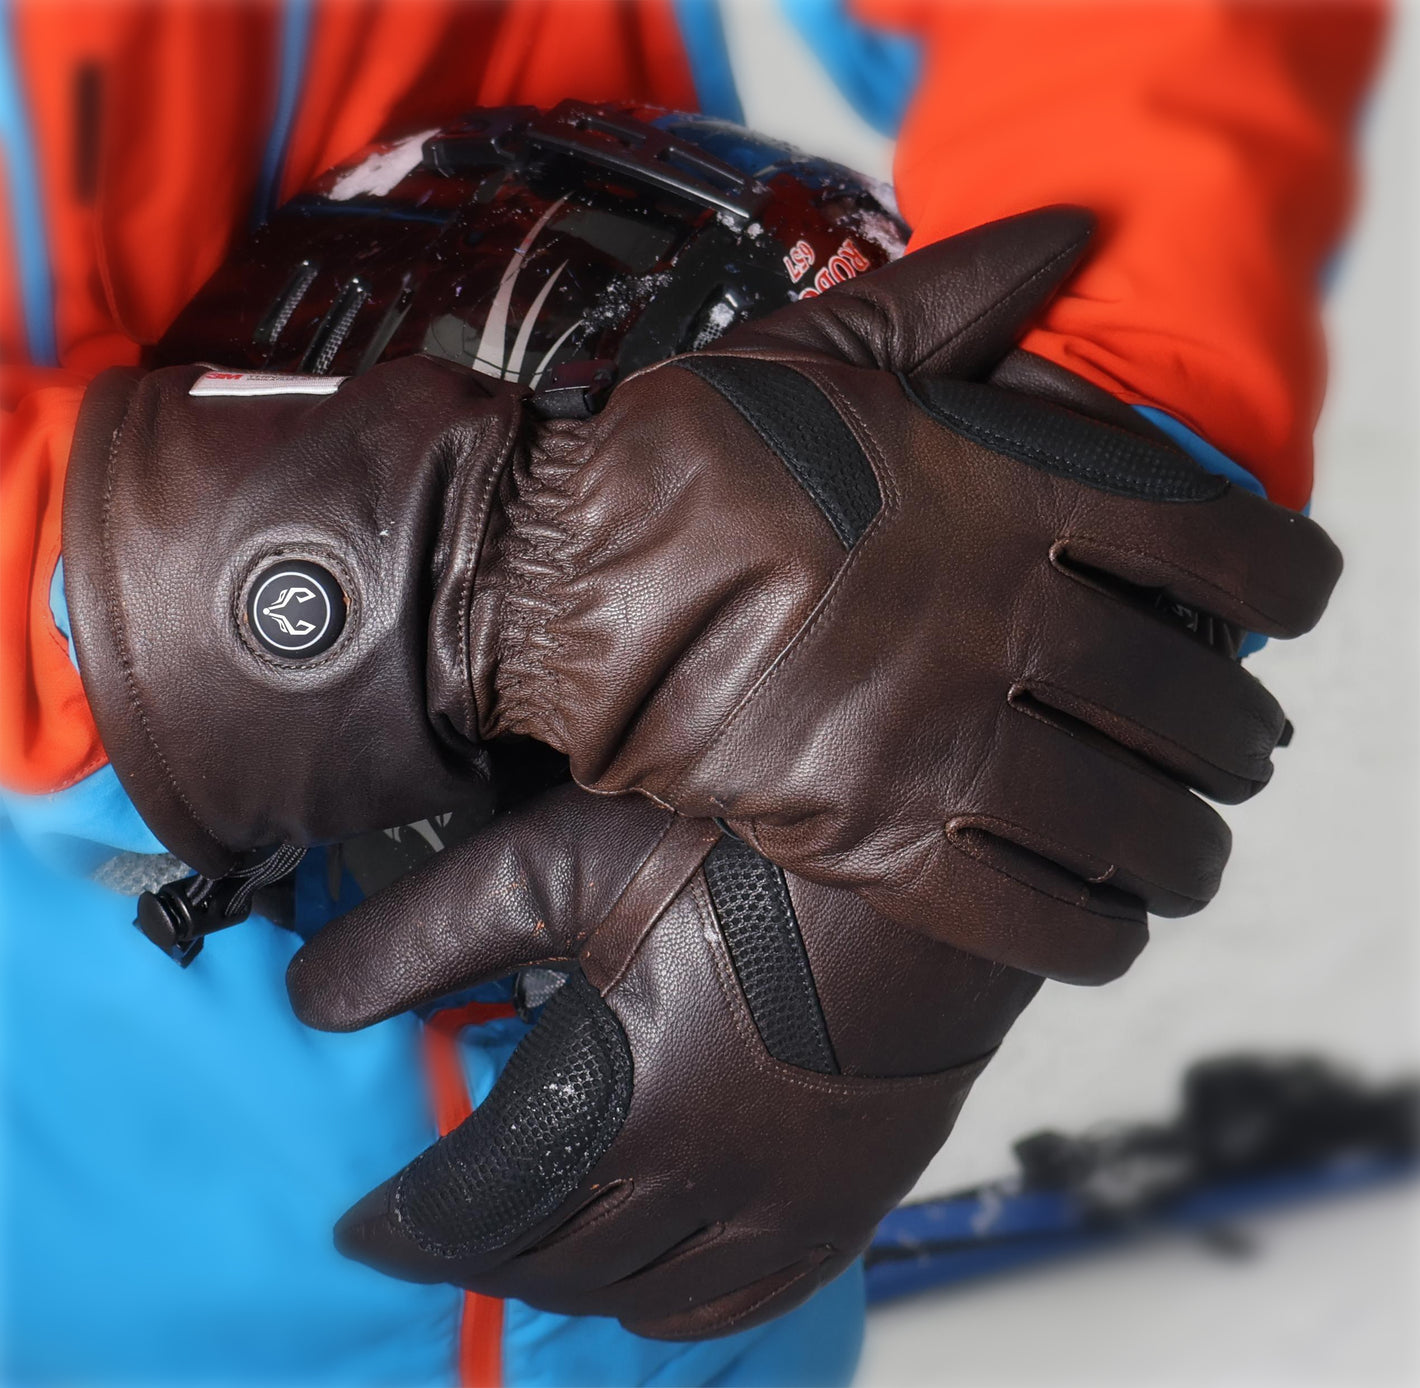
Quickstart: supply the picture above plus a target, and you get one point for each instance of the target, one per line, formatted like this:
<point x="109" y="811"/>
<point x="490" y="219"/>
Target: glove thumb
<point x="572" y="876"/>
<point x="526" y="890"/>
<point x="954" y="308"/>
<point x="463" y="1205"/>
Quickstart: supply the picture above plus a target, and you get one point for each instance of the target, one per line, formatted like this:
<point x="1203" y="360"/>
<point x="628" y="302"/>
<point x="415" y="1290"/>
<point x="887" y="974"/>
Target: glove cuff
<point x="624" y="606"/>
<point x="248" y="578"/>
<point x="525" y="553"/>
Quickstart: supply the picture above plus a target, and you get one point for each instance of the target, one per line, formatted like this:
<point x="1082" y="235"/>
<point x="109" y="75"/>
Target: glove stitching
<point x="111" y="603"/>
<point x="654" y="1271"/>
<point x="464" y="653"/>
<point x="1046" y="270"/>
<point x="537" y="557"/>
<point x="613" y="1196"/>
<point x="987" y="820"/>
<point x="827" y="603"/>
<point x="590" y="936"/>
<point x="1035" y="685"/>
<point x="830" y="1086"/>
<point x="845" y="405"/>
<point x="490" y="483"/>
<point x="1080" y="905"/>
<point x="971" y="431"/>
<point x="1115" y="547"/>
<point x="1021" y="836"/>
<point x="825" y="1252"/>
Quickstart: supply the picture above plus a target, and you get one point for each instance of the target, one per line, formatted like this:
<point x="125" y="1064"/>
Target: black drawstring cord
<point x="180" y="915"/>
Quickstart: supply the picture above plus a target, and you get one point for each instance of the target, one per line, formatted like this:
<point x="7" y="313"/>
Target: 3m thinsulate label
<point x="263" y="383"/>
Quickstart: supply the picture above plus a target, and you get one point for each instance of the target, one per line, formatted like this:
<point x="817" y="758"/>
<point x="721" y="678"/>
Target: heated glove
<point x="904" y="631"/>
<point x="741" y="1075"/>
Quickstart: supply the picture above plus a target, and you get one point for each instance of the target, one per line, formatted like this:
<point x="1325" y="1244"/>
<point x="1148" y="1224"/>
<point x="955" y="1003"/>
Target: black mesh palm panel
<point x="1058" y="440"/>
<point x="554" y="1112"/>
<point x="796" y="419"/>
<point x="756" y="916"/>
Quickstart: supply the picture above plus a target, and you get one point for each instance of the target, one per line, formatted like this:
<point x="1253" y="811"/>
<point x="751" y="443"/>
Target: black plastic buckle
<point x="574" y="390"/>
<point x="483" y="139"/>
<point x="180" y="915"/>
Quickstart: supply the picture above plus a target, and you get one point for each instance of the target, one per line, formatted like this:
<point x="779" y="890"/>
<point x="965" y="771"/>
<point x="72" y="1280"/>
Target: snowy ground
<point x="1312" y="943"/>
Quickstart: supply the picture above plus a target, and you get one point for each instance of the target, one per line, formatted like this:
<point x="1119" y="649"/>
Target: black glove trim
<point x="799" y="423"/>
<point x="756" y="918"/>
<point x="1054" y="439"/>
<point x="551" y="1117"/>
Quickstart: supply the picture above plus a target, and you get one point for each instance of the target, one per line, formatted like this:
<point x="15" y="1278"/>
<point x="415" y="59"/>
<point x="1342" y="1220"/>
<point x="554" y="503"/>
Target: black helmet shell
<point x="558" y="249"/>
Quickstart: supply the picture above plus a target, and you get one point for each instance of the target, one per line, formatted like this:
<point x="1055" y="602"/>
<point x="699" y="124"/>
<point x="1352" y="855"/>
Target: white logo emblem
<point x="300" y="627"/>
<point x="219" y="382"/>
<point x="291" y="613"/>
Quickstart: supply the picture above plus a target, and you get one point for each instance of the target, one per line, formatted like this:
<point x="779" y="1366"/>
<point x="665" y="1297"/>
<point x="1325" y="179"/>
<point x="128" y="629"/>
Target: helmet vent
<point x="388" y="325"/>
<point x="334" y="328"/>
<point x="273" y="323"/>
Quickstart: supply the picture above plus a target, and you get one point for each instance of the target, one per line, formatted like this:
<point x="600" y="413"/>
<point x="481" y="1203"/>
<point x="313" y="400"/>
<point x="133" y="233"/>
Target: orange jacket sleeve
<point x="47" y="736"/>
<point x="1213" y="140"/>
<point x="108" y="96"/>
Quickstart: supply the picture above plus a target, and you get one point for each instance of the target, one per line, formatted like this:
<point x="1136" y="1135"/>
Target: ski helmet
<point x="558" y="249"/>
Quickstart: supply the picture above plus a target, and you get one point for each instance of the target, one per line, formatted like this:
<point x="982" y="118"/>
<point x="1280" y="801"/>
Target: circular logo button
<point x="296" y="609"/>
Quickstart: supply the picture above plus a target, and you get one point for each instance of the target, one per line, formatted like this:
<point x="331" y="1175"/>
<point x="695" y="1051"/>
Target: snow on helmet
<point x="560" y="249"/>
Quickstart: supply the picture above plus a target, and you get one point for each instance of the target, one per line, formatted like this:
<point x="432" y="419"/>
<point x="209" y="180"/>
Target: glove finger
<point x="952" y="308"/>
<point x="467" y="1203"/>
<point x="1141" y="680"/>
<point x="578" y="1268"/>
<point x="1262" y="567"/>
<point x="740" y="1306"/>
<point x="689" y="1295"/>
<point x="1097" y="812"/>
<point x="988" y="897"/>
<point x="1142" y="511"/>
<point x="526" y="890"/>
<point x="857" y="958"/>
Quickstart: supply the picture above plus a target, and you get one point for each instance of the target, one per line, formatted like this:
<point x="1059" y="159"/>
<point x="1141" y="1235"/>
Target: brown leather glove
<point x="900" y="629"/>
<point x="743" y="1073"/>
